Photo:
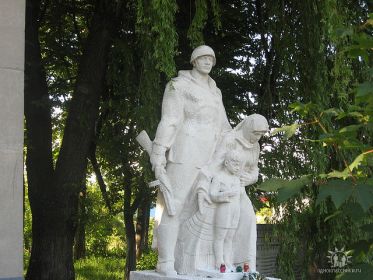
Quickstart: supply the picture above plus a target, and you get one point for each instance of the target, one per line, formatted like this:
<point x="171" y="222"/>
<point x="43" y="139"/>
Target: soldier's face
<point x="203" y="64"/>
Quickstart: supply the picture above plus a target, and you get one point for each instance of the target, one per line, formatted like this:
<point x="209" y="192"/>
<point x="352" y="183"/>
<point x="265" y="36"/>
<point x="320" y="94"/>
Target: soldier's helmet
<point x="202" y="50"/>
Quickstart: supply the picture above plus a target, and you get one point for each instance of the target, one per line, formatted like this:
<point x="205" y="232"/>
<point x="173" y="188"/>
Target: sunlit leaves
<point x="339" y="174"/>
<point x="362" y="159"/>
<point x="357" y="161"/>
<point x="289" y="130"/>
<point x="303" y="109"/>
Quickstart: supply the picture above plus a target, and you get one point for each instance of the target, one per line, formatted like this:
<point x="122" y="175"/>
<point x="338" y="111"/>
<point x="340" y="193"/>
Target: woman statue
<point x="198" y="233"/>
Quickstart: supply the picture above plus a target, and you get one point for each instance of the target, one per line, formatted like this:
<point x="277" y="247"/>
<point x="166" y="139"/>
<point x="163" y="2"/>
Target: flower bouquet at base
<point x="253" y="276"/>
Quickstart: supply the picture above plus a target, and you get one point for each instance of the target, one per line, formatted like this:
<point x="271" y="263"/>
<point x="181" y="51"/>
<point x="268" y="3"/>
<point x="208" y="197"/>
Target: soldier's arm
<point x="225" y="125"/>
<point x="172" y="117"/>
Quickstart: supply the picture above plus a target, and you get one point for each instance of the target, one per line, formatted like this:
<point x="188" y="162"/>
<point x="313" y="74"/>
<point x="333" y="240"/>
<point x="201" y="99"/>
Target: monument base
<point x="152" y="275"/>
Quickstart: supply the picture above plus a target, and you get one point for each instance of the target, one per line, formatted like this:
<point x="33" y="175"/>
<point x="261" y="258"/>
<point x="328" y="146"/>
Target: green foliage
<point x="216" y="11"/>
<point x="363" y="194"/>
<point x="339" y="191"/>
<point x="336" y="209"/>
<point x="286" y="188"/>
<point x="365" y="273"/>
<point x="292" y="187"/>
<point x="99" y="268"/>
<point x="290" y="61"/>
<point x="288" y="129"/>
<point x="27" y="227"/>
<point x="195" y="34"/>
<point x="104" y="231"/>
<point x="157" y="20"/>
<point x="148" y="261"/>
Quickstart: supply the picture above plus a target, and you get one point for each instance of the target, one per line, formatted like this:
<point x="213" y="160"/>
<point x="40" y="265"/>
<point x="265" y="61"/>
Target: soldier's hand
<point x="158" y="156"/>
<point x="157" y="161"/>
<point x="158" y="171"/>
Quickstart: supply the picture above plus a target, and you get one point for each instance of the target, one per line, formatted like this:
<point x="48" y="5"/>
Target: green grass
<point x="99" y="268"/>
<point x="105" y="268"/>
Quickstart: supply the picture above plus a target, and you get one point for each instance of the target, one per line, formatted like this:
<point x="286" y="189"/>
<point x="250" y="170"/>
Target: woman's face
<point x="253" y="136"/>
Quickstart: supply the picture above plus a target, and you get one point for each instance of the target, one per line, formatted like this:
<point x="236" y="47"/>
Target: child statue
<point x="225" y="191"/>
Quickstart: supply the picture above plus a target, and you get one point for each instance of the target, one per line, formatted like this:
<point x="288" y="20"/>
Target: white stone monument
<point x="204" y="218"/>
<point x="12" y="30"/>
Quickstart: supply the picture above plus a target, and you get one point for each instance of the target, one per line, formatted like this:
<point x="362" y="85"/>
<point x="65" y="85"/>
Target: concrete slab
<point x="12" y="46"/>
<point x="12" y="19"/>
<point x="12" y="26"/>
<point x="12" y="13"/>
<point x="11" y="109"/>
<point x="11" y="213"/>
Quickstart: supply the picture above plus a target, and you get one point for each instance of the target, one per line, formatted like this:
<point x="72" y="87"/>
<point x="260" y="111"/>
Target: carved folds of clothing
<point x="193" y="118"/>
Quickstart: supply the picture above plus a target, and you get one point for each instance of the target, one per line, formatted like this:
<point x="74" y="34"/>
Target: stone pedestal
<point x="12" y="30"/>
<point x="152" y="275"/>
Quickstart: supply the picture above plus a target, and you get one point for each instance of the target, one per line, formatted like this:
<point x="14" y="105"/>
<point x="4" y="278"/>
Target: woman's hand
<point x="202" y="197"/>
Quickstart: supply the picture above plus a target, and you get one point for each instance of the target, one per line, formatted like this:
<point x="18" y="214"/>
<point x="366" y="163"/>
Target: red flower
<point x="263" y="199"/>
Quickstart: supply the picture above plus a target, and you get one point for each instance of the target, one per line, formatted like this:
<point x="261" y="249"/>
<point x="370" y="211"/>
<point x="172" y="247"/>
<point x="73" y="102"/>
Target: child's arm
<point x="217" y="193"/>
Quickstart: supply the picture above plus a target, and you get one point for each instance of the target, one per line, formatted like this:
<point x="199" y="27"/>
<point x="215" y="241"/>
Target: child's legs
<point x="227" y="249"/>
<point x="220" y="234"/>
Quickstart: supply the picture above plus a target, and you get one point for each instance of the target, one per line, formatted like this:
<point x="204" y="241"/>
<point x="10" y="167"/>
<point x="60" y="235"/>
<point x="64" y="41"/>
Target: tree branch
<point x="136" y="202"/>
<point x="96" y="168"/>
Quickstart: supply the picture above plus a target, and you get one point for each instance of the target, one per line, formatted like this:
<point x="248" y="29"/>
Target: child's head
<point x="233" y="161"/>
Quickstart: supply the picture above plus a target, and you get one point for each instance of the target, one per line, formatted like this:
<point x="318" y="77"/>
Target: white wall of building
<point x="12" y="30"/>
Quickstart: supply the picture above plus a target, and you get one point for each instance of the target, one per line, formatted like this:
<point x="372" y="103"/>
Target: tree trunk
<point x="129" y="222"/>
<point x="54" y="194"/>
<point x="142" y="228"/>
<point x="131" y="244"/>
<point x="129" y="211"/>
<point x="79" y="246"/>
